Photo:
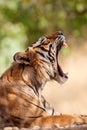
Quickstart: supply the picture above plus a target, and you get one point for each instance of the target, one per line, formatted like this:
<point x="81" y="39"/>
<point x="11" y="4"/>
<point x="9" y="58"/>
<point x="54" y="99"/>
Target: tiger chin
<point x="21" y="101"/>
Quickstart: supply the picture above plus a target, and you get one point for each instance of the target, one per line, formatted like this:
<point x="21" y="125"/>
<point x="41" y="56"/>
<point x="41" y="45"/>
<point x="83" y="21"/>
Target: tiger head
<point x="43" y="57"/>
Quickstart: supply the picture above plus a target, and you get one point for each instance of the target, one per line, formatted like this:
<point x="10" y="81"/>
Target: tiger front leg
<point x="62" y="121"/>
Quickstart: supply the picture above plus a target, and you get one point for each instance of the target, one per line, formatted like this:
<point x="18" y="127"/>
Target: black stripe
<point x="40" y="53"/>
<point x="18" y="118"/>
<point x="53" y="111"/>
<point x="44" y="49"/>
<point x="50" y="52"/>
<point x="44" y="61"/>
<point x="50" y="59"/>
<point x="46" y="43"/>
<point x="35" y="105"/>
<point x="35" y="116"/>
<point x="49" y="56"/>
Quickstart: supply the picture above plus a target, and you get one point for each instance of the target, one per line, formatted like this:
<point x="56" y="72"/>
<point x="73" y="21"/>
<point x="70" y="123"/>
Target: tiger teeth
<point x="66" y="73"/>
<point x="65" y="45"/>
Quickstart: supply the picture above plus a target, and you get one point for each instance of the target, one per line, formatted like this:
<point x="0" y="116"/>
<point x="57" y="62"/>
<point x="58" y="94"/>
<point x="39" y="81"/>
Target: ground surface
<point x="84" y="127"/>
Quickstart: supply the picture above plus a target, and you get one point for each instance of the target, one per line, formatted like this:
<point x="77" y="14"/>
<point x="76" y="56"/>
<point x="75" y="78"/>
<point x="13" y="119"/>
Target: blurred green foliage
<point x="23" y="21"/>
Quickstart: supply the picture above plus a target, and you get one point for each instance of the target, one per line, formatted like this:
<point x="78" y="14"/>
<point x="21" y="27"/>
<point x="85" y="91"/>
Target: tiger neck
<point x="35" y="79"/>
<point x="33" y="76"/>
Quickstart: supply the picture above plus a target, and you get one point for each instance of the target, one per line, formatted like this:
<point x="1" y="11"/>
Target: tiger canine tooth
<point x="65" y="45"/>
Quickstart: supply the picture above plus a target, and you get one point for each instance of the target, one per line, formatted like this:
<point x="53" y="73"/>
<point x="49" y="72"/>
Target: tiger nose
<point x="60" y="33"/>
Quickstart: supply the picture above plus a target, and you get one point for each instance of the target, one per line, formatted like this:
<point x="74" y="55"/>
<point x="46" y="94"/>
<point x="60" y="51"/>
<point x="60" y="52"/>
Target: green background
<point x="22" y="22"/>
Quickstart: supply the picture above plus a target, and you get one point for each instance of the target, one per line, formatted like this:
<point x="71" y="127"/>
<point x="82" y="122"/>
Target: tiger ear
<point x="24" y="57"/>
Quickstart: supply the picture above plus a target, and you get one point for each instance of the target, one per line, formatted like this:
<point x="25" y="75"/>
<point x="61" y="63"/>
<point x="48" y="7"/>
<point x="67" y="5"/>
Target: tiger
<point x="21" y="101"/>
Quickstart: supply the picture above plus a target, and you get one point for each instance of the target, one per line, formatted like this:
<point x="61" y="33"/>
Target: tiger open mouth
<point x="61" y="77"/>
